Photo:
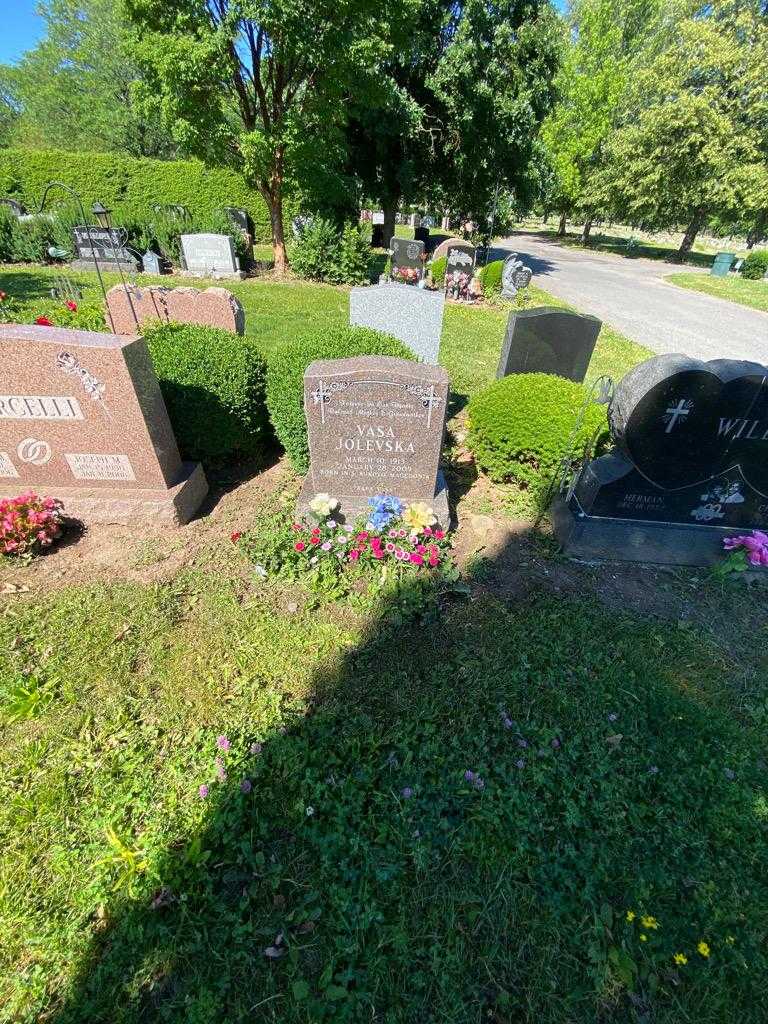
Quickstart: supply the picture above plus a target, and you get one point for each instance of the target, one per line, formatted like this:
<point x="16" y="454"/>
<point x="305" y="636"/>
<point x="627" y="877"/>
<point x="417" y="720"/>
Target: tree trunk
<point x="690" y="236"/>
<point x="275" y="203"/>
<point x="545" y="219"/>
<point x="390" y="209"/>
<point x="758" y="230"/>
<point x="585" y="231"/>
<point x="561" y="225"/>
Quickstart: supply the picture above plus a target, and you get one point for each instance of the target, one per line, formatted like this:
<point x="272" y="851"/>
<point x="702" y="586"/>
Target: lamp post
<point x="71" y="192"/>
<point x="101" y="213"/>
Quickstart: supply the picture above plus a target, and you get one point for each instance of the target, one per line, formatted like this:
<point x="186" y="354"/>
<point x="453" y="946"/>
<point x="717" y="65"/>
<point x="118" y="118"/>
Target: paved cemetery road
<point x="632" y="296"/>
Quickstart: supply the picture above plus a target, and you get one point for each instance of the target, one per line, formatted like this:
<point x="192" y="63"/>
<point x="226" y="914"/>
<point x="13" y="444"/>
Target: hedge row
<point x="130" y="187"/>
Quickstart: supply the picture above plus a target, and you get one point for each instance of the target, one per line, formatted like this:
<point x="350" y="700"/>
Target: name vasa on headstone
<point x="375" y="426"/>
<point x="83" y="419"/>
<point x="549" y="340"/>
<point x="691" y="464"/>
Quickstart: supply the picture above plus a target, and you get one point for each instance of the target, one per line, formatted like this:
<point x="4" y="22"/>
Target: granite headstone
<point x="514" y="276"/>
<point x="82" y="419"/>
<point x="210" y="255"/>
<point x="459" y="267"/>
<point x="375" y="426"/>
<point x="413" y="315"/>
<point x="407" y="260"/>
<point x="690" y="465"/>
<point x="548" y="340"/>
<point x="212" y="307"/>
<point x="107" y="245"/>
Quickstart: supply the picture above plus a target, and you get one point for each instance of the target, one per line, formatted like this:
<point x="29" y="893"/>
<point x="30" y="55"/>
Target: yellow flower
<point x="703" y="948"/>
<point x="418" y="515"/>
<point x="643" y="938"/>
<point x="630" y="915"/>
<point x="681" y="958"/>
<point x="730" y="940"/>
<point x="649" y="922"/>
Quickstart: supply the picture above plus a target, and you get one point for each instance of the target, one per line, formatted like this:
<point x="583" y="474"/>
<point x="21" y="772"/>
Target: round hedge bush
<point x="285" y="378"/>
<point x="437" y="270"/>
<point x="490" y="277"/>
<point x="520" y="426"/>
<point x="213" y="385"/>
<point x="755" y="265"/>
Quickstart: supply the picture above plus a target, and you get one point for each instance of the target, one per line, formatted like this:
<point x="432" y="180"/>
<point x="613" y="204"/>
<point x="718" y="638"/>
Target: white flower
<point x="310" y="811"/>
<point x="323" y="504"/>
<point x="260" y="571"/>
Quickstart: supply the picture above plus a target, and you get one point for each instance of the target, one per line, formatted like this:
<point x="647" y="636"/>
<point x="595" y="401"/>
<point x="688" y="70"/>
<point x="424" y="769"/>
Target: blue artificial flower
<point x="385" y="508"/>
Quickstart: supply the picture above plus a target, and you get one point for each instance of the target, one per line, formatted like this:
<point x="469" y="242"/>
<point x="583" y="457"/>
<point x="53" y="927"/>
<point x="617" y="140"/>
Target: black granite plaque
<point x="106" y="244"/>
<point x="407" y="260"/>
<point x="548" y="340"/>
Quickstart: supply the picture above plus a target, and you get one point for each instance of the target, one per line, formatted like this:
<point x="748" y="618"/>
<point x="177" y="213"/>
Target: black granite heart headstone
<point x="683" y="422"/>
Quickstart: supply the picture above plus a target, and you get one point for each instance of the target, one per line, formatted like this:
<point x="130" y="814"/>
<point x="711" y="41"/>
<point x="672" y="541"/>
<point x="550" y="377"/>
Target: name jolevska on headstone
<point x="375" y="426"/>
<point x="82" y="419"/>
<point x="691" y="463"/>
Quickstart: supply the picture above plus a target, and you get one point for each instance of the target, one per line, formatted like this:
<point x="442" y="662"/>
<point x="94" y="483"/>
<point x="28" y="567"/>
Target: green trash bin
<point x="723" y="263"/>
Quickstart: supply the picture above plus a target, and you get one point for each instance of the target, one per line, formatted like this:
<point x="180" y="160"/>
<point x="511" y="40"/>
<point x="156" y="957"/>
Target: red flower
<point x="362" y="536"/>
<point x="43" y="321"/>
<point x="297" y="527"/>
<point x="439" y="534"/>
<point x="71" y="306"/>
<point x="235" y="537"/>
<point x="377" y="552"/>
<point x="314" y="540"/>
<point x="299" y="545"/>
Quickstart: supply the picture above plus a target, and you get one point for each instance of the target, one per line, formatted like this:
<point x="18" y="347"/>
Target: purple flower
<point x="255" y="748"/>
<point x="221" y="771"/>
<point x="203" y="791"/>
<point x="223" y="743"/>
<point x="612" y="717"/>
<point x="555" y="743"/>
<point x="653" y="770"/>
<point x="245" y="786"/>
<point x="520" y="763"/>
<point x="326" y="546"/>
<point x="479" y="783"/>
<point x="508" y="723"/>
<point x="469" y="775"/>
<point x="522" y="743"/>
<point x="407" y="793"/>
<point x="729" y="773"/>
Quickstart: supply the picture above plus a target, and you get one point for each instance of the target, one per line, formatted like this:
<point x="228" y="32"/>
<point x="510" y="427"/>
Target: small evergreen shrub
<point x="490" y="278"/>
<point x="520" y="425"/>
<point x="755" y="265"/>
<point x="285" y="378"/>
<point x="325" y="252"/>
<point x="31" y="240"/>
<point x="6" y="234"/>
<point x="213" y="385"/>
<point x="437" y="270"/>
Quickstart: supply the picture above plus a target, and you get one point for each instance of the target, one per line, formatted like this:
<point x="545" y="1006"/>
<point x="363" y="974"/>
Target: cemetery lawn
<point x="734" y="288"/>
<point x="276" y="311"/>
<point x="618" y="737"/>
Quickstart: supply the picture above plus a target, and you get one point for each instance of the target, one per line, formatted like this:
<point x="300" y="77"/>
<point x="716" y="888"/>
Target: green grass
<point x="127" y="898"/>
<point x="648" y="248"/>
<point x="733" y="288"/>
<point x="276" y="312"/>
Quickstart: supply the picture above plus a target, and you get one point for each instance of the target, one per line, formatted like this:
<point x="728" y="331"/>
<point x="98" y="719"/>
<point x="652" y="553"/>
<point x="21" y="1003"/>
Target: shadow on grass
<point x="617" y="244"/>
<point x="453" y="833"/>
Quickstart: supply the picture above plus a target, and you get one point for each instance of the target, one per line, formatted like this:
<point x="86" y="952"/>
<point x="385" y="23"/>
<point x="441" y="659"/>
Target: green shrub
<point x="755" y="265"/>
<point x="7" y="220"/>
<point x="87" y="316"/>
<point x="325" y="252"/>
<point x="213" y="385"/>
<point x="437" y="270"/>
<point x="285" y="378"/>
<point x="520" y="425"/>
<point x="31" y="240"/>
<point x="490" y="278"/>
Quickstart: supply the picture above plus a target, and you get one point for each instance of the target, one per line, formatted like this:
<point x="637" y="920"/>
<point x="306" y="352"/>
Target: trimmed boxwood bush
<point x="520" y="426"/>
<point x="326" y="252"/>
<point x="755" y="265"/>
<point x="490" y="278"/>
<point x="213" y="385"/>
<point x="285" y="378"/>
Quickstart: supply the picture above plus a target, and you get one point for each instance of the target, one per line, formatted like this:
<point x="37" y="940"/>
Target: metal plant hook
<point x="100" y="211"/>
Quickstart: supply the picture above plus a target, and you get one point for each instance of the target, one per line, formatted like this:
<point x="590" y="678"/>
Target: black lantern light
<point x="101" y="213"/>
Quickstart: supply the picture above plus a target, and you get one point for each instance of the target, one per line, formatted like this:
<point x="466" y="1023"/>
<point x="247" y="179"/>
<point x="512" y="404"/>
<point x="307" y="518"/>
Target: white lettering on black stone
<point x="39" y="407"/>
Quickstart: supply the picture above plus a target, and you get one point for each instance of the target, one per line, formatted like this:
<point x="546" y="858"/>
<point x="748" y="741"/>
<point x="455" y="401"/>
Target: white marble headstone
<point x="413" y="315"/>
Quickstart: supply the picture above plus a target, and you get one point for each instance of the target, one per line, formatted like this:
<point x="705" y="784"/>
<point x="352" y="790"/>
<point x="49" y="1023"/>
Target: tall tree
<point x="692" y="139"/>
<point x="73" y="90"/>
<point x="470" y="85"/>
<point x="258" y="84"/>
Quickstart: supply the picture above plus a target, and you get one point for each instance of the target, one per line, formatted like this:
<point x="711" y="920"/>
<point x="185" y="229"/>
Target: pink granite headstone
<point x="82" y="419"/>
<point x="213" y="307"/>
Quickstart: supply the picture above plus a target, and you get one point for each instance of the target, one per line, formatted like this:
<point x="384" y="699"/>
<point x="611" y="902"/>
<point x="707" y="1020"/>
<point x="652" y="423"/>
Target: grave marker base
<point x="172" y="506"/>
<point x="353" y="506"/>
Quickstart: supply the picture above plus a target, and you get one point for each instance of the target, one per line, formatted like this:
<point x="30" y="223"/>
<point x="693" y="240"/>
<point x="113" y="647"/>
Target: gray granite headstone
<point x="414" y="315"/>
<point x="209" y="254"/>
<point x="375" y="426"/>
<point x="690" y="465"/>
<point x="548" y="340"/>
<point x="514" y="276"/>
<point x="107" y="245"/>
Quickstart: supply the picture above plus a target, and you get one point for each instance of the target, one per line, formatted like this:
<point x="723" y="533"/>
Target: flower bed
<point x="29" y="524"/>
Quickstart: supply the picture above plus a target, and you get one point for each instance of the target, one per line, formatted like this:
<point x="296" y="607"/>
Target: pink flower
<point x="402" y="533"/>
<point x="362" y="536"/>
<point x="400" y="555"/>
<point x="416" y="558"/>
<point x="222" y="742"/>
<point x="427" y="531"/>
<point x="297" y="527"/>
<point x="326" y="546"/>
<point x="389" y="547"/>
<point x="299" y="545"/>
<point x="392" y="533"/>
<point x="71" y="306"/>
<point x="377" y="553"/>
<point x="439" y="534"/>
<point x="354" y="554"/>
<point x="203" y="791"/>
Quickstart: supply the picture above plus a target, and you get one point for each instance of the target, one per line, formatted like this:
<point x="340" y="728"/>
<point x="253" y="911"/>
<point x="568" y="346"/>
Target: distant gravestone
<point x="83" y="420"/>
<point x="377" y="217"/>
<point x="213" y="307"/>
<point x="514" y="276"/>
<point x="407" y="258"/>
<point x="722" y="264"/>
<point x="690" y="466"/>
<point x="442" y="248"/>
<point x="14" y="206"/>
<point x="154" y="264"/>
<point x="107" y="245"/>
<point x="375" y="426"/>
<point x="549" y="340"/>
<point x="459" y="268"/>
<point x="209" y="255"/>
<point x="421" y="234"/>
<point x="413" y="315"/>
<point x="241" y="219"/>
